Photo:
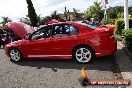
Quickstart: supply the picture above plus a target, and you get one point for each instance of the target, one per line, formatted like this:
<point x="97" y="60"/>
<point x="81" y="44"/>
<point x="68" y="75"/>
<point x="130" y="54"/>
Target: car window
<point x="59" y="30"/>
<point x="64" y="30"/>
<point x="88" y="24"/>
<point x="73" y="30"/>
<point x="44" y="32"/>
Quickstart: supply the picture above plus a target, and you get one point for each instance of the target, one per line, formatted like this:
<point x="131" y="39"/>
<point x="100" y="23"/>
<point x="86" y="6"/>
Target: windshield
<point x="88" y="24"/>
<point x="44" y="32"/>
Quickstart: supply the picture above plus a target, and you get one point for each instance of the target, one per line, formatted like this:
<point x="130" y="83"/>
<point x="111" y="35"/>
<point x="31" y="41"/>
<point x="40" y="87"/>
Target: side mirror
<point x="27" y="36"/>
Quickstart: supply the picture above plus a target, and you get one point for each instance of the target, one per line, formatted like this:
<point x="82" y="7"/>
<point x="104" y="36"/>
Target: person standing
<point x="1" y="41"/>
<point x="7" y="37"/>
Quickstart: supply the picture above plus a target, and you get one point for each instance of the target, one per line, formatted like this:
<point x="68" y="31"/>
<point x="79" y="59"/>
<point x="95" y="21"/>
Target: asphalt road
<point x="52" y="73"/>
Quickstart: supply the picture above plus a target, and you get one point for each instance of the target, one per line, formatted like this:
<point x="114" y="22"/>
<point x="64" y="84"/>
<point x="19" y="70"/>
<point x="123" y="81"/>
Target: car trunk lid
<point x="107" y="31"/>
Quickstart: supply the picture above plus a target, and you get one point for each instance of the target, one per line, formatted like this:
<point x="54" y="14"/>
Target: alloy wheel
<point x="15" y="55"/>
<point x="83" y="55"/>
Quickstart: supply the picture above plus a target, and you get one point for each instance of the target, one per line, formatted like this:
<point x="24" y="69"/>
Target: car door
<point x="65" y="37"/>
<point x="40" y="43"/>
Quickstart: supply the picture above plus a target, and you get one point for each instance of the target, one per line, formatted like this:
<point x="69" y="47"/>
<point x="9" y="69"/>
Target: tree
<point x="5" y="20"/>
<point x="113" y="11"/>
<point x="56" y="16"/>
<point x="46" y="19"/>
<point x="120" y="15"/>
<point x="40" y="20"/>
<point x="31" y="13"/>
<point x="76" y="15"/>
<point x="130" y="10"/>
<point x="95" y="11"/>
<point x="25" y="20"/>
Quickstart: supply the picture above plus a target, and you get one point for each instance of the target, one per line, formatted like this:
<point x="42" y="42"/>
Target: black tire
<point x="17" y="57"/>
<point x="84" y="55"/>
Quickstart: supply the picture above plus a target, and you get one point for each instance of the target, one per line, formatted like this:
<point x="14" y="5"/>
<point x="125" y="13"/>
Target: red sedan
<point x="66" y="40"/>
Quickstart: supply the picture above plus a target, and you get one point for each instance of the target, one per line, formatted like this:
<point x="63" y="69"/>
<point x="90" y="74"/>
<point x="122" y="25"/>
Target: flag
<point x="106" y="1"/>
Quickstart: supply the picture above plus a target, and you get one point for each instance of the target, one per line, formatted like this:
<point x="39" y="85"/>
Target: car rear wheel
<point x="15" y="55"/>
<point x="83" y="54"/>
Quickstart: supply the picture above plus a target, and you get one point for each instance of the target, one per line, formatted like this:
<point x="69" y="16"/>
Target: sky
<point x="15" y="9"/>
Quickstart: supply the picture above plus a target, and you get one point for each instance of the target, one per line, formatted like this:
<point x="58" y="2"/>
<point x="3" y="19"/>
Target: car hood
<point x="19" y="28"/>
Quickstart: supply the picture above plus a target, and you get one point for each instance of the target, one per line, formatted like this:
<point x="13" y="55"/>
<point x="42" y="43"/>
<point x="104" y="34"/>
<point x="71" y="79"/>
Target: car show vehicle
<point x="65" y="40"/>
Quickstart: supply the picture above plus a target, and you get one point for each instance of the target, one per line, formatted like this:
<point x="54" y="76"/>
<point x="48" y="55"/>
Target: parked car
<point x="65" y="40"/>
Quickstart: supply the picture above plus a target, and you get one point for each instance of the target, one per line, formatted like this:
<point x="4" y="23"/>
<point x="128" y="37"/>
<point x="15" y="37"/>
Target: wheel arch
<point x="10" y="49"/>
<point x="84" y="45"/>
<point x="13" y="48"/>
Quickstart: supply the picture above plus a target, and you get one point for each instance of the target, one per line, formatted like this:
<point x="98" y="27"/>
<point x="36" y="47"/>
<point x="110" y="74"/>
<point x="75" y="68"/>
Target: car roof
<point x="82" y="28"/>
<point x="67" y="22"/>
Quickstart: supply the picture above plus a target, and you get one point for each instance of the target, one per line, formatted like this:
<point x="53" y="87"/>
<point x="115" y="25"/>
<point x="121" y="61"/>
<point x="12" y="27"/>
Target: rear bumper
<point x="108" y="48"/>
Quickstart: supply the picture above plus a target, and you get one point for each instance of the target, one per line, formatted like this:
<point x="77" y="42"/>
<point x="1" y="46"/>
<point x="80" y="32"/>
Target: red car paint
<point x="20" y="29"/>
<point x="100" y="40"/>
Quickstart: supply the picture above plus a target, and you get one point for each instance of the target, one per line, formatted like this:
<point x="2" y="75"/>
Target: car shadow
<point x="123" y="60"/>
<point x="107" y="63"/>
<point x="102" y="64"/>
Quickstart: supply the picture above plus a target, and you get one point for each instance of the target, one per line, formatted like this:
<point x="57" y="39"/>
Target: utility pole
<point x="66" y="14"/>
<point x="105" y="12"/>
<point x="126" y="14"/>
<point x="105" y="2"/>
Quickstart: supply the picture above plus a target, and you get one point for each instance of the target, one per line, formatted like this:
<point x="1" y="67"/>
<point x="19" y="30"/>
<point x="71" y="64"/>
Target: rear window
<point x="88" y="24"/>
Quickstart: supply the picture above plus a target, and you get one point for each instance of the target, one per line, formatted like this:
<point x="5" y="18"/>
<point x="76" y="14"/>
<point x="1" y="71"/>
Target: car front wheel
<point x="15" y="55"/>
<point x="83" y="54"/>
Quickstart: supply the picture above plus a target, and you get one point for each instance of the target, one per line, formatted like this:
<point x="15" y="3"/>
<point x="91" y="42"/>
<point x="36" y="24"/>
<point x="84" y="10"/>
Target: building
<point x="70" y="16"/>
